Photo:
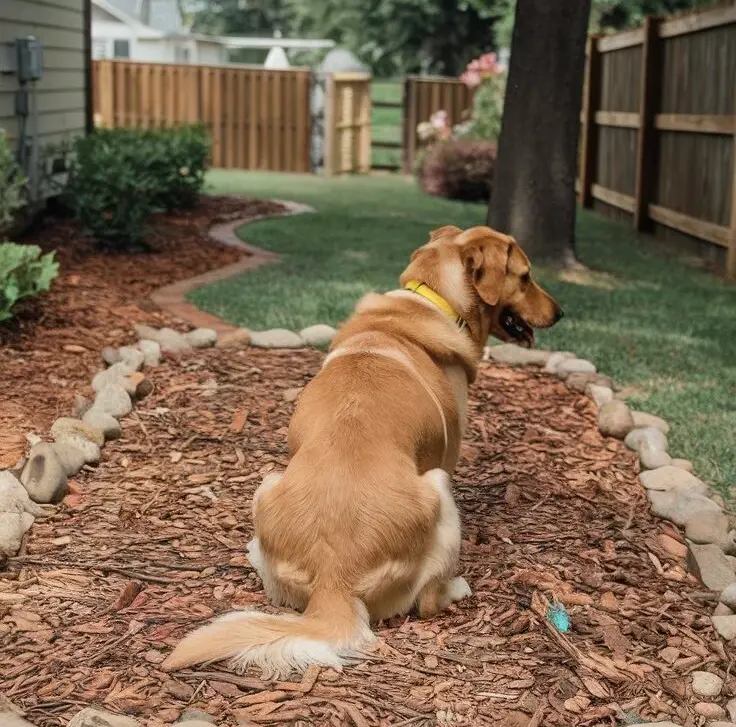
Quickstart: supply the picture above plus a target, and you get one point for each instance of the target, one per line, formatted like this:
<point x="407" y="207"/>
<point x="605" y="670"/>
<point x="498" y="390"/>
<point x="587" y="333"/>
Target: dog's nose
<point x="560" y="313"/>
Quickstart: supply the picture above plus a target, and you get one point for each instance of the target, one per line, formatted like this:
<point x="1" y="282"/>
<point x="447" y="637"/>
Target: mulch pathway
<point x="52" y="346"/>
<point x="150" y="544"/>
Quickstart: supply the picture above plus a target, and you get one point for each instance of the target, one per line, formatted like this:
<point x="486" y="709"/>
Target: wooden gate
<point x="258" y="119"/>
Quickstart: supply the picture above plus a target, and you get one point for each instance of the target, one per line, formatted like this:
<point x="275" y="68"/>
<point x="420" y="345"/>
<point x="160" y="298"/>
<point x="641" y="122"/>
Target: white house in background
<point x="153" y="31"/>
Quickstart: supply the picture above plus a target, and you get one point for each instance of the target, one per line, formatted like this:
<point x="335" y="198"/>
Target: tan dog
<point x="362" y="524"/>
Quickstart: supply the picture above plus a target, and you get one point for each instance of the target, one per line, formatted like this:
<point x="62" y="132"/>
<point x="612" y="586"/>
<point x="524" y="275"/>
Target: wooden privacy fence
<point x="658" y="137"/>
<point x="258" y="119"/>
<point x="423" y="95"/>
<point x="348" y="124"/>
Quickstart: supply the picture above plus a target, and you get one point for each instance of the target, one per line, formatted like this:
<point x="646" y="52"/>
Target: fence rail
<point x="658" y="129"/>
<point x="258" y="119"/>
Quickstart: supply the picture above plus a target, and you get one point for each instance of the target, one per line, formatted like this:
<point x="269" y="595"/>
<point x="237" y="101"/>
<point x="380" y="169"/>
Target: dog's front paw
<point x="457" y="589"/>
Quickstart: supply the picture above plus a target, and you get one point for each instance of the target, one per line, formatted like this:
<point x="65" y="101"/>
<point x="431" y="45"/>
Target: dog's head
<point x="487" y="278"/>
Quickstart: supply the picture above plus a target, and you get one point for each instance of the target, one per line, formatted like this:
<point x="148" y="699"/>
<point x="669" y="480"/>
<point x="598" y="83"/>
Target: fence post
<point x="105" y="88"/>
<point x="646" y="173"/>
<point x="365" y="126"/>
<point x="409" y="117"/>
<point x="731" y="254"/>
<point x="589" y="132"/>
<point x="328" y="162"/>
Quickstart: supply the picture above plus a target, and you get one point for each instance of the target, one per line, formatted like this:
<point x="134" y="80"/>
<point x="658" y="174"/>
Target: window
<point x="99" y="49"/>
<point x="121" y="49"/>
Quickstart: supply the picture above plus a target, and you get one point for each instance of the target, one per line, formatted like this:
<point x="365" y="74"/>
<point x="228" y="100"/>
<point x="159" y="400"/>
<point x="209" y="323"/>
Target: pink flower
<point x="471" y="79"/>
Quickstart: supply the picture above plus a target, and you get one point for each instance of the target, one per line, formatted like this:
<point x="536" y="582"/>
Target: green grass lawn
<point x="386" y="122"/>
<point x="644" y="317"/>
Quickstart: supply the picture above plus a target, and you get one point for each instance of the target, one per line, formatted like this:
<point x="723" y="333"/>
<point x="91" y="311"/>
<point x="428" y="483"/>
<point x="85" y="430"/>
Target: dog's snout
<point x="559" y="314"/>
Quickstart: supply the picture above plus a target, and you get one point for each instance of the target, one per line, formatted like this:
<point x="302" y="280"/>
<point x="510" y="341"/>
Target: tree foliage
<point x="238" y="17"/>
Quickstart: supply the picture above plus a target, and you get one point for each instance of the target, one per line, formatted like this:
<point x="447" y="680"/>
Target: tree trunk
<point x="533" y="195"/>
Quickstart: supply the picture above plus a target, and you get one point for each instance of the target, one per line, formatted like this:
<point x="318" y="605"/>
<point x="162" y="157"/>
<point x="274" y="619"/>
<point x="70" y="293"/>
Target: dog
<point x="362" y="525"/>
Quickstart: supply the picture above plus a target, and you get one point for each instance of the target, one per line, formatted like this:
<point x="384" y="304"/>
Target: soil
<point x="151" y="545"/>
<point x="51" y="348"/>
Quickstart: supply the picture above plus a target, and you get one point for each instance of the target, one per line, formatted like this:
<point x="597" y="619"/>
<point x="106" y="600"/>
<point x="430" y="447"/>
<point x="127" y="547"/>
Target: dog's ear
<point x="485" y="255"/>
<point x="445" y="230"/>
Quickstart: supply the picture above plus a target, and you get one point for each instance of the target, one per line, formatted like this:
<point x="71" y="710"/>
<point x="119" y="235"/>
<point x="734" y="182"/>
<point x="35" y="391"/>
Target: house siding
<point x="60" y="94"/>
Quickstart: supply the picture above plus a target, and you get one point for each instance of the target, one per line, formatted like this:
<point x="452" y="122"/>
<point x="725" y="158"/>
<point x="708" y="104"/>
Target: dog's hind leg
<point x="437" y="588"/>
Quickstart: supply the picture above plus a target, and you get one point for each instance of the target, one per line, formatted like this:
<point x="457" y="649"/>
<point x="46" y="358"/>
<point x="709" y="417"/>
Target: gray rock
<point x="684" y="464"/>
<point x="196" y="715"/>
<point x="276" y="338"/>
<point x="580" y="382"/>
<point x="672" y="478"/>
<point x="14" y="497"/>
<point x="728" y="596"/>
<point x="9" y="717"/>
<point x="636" y="438"/>
<point x="710" y="565"/>
<point x="151" y="352"/>
<point x="194" y="723"/>
<point x="13" y="526"/>
<point x="201" y="337"/>
<point x="728" y="545"/>
<point x="731" y="561"/>
<point x="110" y="355"/>
<point x="132" y="357"/>
<point x="93" y="717"/>
<point x="81" y="404"/>
<point x="642" y="419"/>
<point x="114" y="399"/>
<point x="322" y="335"/>
<point x="652" y="459"/>
<point x="237" y="338"/>
<point x="556" y="359"/>
<point x="510" y="354"/>
<point x="69" y="425"/>
<point x="679" y="507"/>
<point x="722" y="609"/>
<point x="710" y="710"/>
<point x="719" y="723"/>
<point x="707" y="527"/>
<point x="104" y="422"/>
<point x="615" y="420"/>
<point x="706" y="684"/>
<point x="654" y="724"/>
<point x="574" y="366"/>
<point x="717" y="499"/>
<point x="43" y="476"/>
<point x="731" y="708"/>
<point x="89" y="450"/>
<point x="118" y="373"/>
<point x="172" y="341"/>
<point x="72" y="458"/>
<point x="147" y="333"/>
<point x="599" y="394"/>
<point x="292" y="394"/>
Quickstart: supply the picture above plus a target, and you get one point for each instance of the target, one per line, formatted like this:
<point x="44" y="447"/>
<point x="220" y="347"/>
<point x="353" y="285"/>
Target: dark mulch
<point x="151" y="544"/>
<point x="51" y="346"/>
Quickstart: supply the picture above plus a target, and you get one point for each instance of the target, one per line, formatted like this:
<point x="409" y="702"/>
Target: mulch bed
<point x="52" y="346"/>
<point x="151" y="544"/>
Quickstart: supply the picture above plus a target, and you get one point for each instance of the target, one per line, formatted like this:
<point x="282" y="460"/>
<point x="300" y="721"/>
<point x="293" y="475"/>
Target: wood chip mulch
<point x="51" y="347"/>
<point x="151" y="544"/>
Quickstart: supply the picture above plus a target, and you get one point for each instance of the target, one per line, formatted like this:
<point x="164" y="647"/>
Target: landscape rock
<point x="194" y="723"/>
<point x="147" y="333"/>
<point x="81" y="404"/>
<point x="706" y="684"/>
<point x="709" y="564"/>
<point x="507" y="353"/>
<point x="672" y="546"/>
<point x="110" y="355"/>
<point x="731" y="708"/>
<point x="574" y="366"/>
<point x="722" y="610"/>
<point x="599" y="394"/>
<point x="556" y="359"/>
<point x="321" y="335"/>
<point x="43" y="476"/>
<point x="72" y="458"/>
<point x="114" y="399"/>
<point x="93" y="717"/>
<point x="728" y="545"/>
<point x="118" y="373"/>
<point x="707" y="527"/>
<point x="151" y="352"/>
<point x="13" y="526"/>
<point x="67" y="425"/>
<point x="643" y="419"/>
<point x="679" y="507"/>
<point x="201" y="337"/>
<point x="719" y="723"/>
<point x="728" y="596"/>
<point x="104" y="422"/>
<point x="89" y="450"/>
<point x="9" y="717"/>
<point x="196" y="715"/>
<point x="672" y="478"/>
<point x="580" y="382"/>
<point x="239" y="338"/>
<point x="684" y="464"/>
<point x="292" y="394"/>
<point x="615" y="420"/>
<point x="652" y="436"/>
<point x="276" y="338"/>
<point x="709" y="710"/>
<point x="172" y="341"/>
<point x="652" y="459"/>
<point x="14" y="497"/>
<point x="654" y="724"/>
<point x="132" y="357"/>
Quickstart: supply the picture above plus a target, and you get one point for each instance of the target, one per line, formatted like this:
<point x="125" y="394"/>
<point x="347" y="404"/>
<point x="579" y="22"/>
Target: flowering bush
<point x="459" y="169"/>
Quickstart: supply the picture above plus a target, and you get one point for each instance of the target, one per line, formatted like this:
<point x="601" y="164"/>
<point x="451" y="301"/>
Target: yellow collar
<point x="426" y="292"/>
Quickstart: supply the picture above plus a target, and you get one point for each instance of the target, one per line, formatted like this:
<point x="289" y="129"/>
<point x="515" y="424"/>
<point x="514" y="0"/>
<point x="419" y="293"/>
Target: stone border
<point x="172" y="298"/>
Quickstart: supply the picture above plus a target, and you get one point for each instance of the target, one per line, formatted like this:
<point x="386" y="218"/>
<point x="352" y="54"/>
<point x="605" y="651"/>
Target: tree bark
<point x="533" y="195"/>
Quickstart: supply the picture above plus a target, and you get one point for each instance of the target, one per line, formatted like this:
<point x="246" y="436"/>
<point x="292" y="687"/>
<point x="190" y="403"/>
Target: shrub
<point x="459" y="169"/>
<point x="12" y="185"/>
<point x="119" y="177"/>
<point x="23" y="272"/>
<point x="487" y="77"/>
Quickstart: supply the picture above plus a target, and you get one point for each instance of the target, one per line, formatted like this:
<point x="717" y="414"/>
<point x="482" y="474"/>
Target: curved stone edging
<point x="172" y="298"/>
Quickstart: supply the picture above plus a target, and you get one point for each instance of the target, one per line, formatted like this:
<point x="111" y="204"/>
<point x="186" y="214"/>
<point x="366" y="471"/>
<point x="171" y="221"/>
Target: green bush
<point x="459" y="169"/>
<point x="119" y="177"/>
<point x="12" y="185"/>
<point x="24" y="271"/>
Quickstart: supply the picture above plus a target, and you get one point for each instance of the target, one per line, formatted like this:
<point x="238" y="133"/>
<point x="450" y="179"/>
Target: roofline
<point x="116" y="12"/>
<point x="304" y="43"/>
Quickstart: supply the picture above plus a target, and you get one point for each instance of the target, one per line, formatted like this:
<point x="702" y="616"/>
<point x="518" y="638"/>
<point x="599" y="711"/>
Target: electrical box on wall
<point x="30" y="59"/>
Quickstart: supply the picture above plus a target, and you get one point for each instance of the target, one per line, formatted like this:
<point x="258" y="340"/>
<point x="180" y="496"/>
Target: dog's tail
<point x="331" y="630"/>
